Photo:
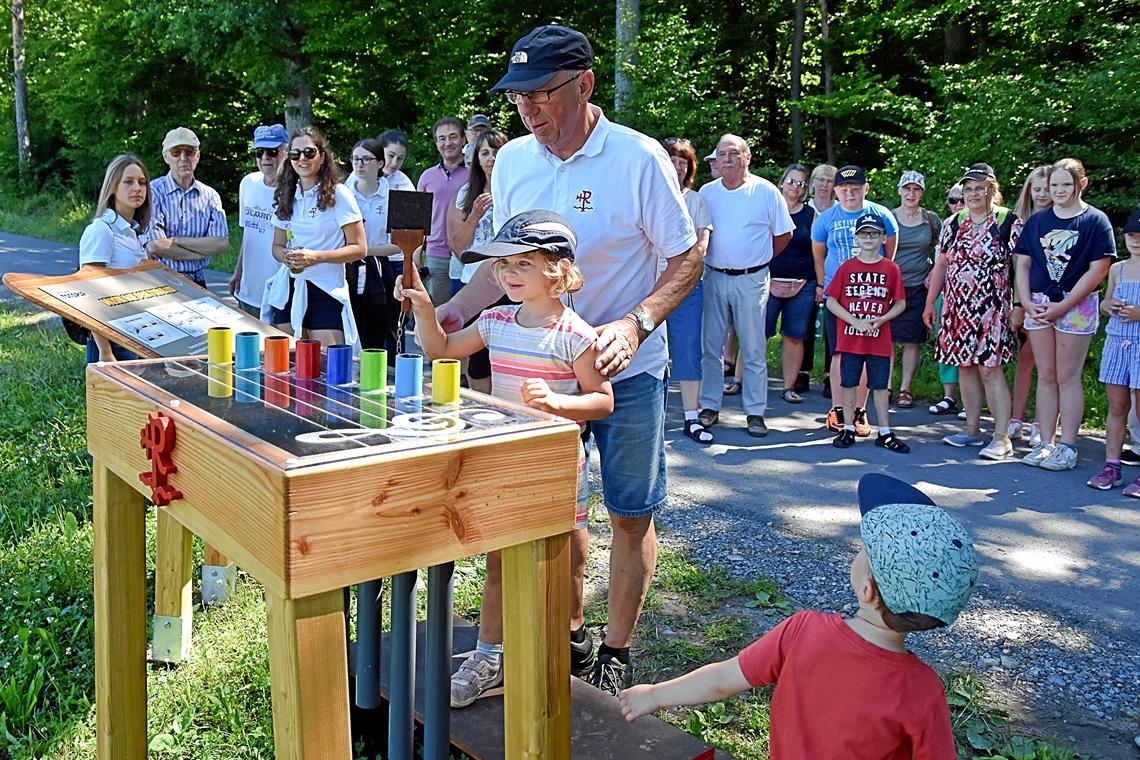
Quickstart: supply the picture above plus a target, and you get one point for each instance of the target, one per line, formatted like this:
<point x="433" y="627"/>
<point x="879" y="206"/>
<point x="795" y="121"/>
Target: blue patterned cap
<point x="922" y="559"/>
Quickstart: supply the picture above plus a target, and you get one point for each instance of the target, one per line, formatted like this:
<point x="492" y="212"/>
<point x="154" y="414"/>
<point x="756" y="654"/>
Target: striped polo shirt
<point x="185" y="212"/>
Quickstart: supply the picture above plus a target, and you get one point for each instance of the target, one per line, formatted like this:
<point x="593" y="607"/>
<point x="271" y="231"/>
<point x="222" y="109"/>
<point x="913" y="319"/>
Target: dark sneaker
<point x="891" y="442"/>
<point x="611" y="675"/>
<point x="862" y="426"/>
<point x="845" y="439"/>
<point x="1130" y="458"/>
<point x="757" y="428"/>
<point x="835" y="419"/>
<point x="708" y="417"/>
<point x="582" y="657"/>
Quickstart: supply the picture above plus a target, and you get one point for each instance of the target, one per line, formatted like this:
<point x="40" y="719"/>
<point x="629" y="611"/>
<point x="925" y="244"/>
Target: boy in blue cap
<point x="849" y="688"/>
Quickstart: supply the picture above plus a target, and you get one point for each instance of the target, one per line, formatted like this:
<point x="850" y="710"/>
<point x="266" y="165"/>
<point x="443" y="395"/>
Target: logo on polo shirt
<point x="519" y="57"/>
<point x="583" y="199"/>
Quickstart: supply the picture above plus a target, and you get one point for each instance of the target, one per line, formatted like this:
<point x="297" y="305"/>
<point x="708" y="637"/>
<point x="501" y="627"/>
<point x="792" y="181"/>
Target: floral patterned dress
<point x="977" y="294"/>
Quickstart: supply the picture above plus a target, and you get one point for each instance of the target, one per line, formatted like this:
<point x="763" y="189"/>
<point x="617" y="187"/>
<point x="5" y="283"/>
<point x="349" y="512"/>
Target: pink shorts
<point x="1082" y="319"/>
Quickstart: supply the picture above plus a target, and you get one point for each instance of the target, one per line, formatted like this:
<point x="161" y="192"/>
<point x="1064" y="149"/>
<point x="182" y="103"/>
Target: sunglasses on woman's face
<point x="795" y="182"/>
<point x="271" y="152"/>
<point x="955" y="201"/>
<point x="310" y="153"/>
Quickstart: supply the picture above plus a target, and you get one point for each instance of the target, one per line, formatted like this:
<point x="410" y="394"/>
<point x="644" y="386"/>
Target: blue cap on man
<point x="270" y="136"/>
<point x="541" y="54"/>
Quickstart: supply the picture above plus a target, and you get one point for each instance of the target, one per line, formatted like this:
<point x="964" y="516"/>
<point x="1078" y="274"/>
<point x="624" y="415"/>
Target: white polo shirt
<point x="744" y="221"/>
<point x="620" y="194"/>
<point x="255" y="217"/>
<point x="112" y="241"/>
<point x="320" y="230"/>
<point x="374" y="208"/>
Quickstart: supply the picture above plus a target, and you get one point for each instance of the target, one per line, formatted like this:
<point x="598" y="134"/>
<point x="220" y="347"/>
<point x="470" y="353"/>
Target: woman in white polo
<point x="319" y="228"/>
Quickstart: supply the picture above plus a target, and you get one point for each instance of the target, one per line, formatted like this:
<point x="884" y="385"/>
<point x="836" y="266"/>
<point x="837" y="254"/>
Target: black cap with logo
<point x="537" y="230"/>
<point x="850" y="175"/>
<point x="541" y="54"/>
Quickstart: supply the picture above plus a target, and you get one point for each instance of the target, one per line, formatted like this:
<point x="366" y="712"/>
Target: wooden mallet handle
<point x="407" y="241"/>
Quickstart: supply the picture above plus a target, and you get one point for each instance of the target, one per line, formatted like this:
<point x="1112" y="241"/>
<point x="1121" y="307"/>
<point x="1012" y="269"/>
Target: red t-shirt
<point x="840" y="696"/>
<point x="866" y="290"/>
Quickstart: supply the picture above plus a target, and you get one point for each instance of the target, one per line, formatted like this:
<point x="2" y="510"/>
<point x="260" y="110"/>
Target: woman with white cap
<point x="918" y="233"/>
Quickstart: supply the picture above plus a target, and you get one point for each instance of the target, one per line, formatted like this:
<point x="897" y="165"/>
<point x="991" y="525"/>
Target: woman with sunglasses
<point x="112" y="238"/>
<point x="255" y="263"/>
<point x="792" y="295"/>
<point x="974" y="271"/>
<point x="371" y="280"/>
<point x="685" y="321"/>
<point x="1034" y="197"/>
<point x="319" y="228"/>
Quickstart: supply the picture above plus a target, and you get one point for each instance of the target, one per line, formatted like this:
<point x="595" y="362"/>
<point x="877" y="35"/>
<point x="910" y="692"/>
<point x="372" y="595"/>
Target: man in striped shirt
<point x="188" y="225"/>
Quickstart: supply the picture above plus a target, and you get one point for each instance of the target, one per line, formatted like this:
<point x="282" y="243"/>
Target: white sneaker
<point x="1013" y="430"/>
<point x="1039" y="454"/>
<point x="962" y="414"/>
<point x="997" y="450"/>
<point x="1062" y="458"/>
<point x="476" y="675"/>
<point x="1035" y="434"/>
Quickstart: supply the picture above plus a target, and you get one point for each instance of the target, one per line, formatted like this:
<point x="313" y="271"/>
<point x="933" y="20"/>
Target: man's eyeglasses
<point x="363" y="160"/>
<point x="271" y="152"/>
<point x="538" y="96"/>
<point x="183" y="152"/>
<point x="309" y="153"/>
<point x="795" y="182"/>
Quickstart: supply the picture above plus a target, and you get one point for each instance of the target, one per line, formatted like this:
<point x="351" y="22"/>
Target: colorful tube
<point x="247" y="350"/>
<point x="276" y="360"/>
<point x="373" y="369"/>
<point x="220" y="345"/>
<point x="445" y="381"/>
<point x="409" y="375"/>
<point x="221" y="382"/>
<point x="374" y="410"/>
<point x="338" y="365"/>
<point x="307" y="362"/>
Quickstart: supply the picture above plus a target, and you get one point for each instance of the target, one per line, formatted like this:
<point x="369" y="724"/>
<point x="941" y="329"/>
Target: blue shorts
<point x="631" y="446"/>
<point x="851" y="370"/>
<point x="798" y="313"/>
<point x="1120" y="362"/>
<point x="684" y="326"/>
<point x="323" y="312"/>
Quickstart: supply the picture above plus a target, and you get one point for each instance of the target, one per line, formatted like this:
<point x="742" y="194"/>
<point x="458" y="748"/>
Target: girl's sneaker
<point x="1108" y="478"/>
<point x="1013" y="430"/>
<point x="1062" y="458"/>
<point x="1035" y="434"/>
<point x="1133" y="489"/>
<point x="1040" y="453"/>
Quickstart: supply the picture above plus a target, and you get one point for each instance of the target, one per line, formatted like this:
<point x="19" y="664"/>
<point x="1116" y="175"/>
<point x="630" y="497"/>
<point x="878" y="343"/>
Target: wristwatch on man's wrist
<point x="643" y="321"/>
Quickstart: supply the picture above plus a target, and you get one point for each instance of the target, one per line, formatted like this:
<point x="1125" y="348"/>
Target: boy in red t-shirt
<point x="848" y="688"/>
<point x="865" y="295"/>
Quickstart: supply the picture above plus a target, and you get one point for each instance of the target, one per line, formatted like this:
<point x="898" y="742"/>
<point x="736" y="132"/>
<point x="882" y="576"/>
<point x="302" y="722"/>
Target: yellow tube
<point x="220" y="345"/>
<point x="445" y="381"/>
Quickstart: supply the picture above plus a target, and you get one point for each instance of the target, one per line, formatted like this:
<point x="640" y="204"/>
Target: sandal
<point x="698" y="432"/>
<point x="790" y="395"/>
<point x="906" y="399"/>
<point x="890" y="442"/>
<point x="945" y="406"/>
<point x="733" y="389"/>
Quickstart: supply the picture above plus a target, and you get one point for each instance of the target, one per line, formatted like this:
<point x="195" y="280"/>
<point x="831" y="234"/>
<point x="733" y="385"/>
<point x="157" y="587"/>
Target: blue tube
<point x="409" y="375"/>
<point x="338" y="365"/>
<point x="247" y="350"/>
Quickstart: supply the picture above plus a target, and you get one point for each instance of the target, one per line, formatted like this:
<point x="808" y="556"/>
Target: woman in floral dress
<point x="973" y="273"/>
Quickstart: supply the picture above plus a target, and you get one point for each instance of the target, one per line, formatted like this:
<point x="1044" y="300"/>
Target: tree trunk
<point x="23" y="140"/>
<point x="298" y="94"/>
<point x="830" y="137"/>
<point x="628" y="23"/>
<point x="797" y="75"/>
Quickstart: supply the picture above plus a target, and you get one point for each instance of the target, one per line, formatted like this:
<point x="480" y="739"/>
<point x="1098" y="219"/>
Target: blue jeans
<point x="746" y="296"/>
<point x="798" y="312"/>
<point x="684" y="326"/>
<point x="631" y="447"/>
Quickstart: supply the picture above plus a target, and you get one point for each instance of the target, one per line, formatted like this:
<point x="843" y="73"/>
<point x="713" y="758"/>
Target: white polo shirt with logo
<point x="619" y="192"/>
<point x="255" y="217"/>
<point x="744" y="221"/>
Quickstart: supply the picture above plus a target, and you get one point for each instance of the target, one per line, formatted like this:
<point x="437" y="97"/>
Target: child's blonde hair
<point x="564" y="275"/>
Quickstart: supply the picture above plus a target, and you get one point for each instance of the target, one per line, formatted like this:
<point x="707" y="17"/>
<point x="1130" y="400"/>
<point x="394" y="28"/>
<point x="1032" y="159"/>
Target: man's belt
<point x="737" y="272"/>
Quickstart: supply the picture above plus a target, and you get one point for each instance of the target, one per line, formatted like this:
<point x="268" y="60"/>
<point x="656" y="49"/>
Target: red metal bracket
<point x="157" y="437"/>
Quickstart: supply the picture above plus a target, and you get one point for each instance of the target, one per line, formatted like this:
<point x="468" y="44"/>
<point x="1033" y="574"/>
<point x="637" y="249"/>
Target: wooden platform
<point x="597" y="729"/>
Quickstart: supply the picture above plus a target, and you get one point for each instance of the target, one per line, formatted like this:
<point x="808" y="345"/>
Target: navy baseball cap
<point x="537" y="230"/>
<point x="921" y="558"/>
<point x="979" y="172"/>
<point x="850" y="175"/>
<point x="541" y="54"/>
<point x="1133" y="223"/>
<point x="270" y="136"/>
<point x="874" y="221"/>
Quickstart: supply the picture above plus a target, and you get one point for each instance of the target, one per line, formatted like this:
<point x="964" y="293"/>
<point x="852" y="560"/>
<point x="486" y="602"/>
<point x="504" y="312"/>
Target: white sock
<point x="493" y="652"/>
<point x="849" y="426"/>
<point x="885" y="430"/>
<point x="690" y="414"/>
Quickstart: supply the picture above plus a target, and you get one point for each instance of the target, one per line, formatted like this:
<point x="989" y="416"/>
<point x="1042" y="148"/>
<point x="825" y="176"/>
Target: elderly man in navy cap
<point x="255" y="264"/>
<point x="619" y="191"/>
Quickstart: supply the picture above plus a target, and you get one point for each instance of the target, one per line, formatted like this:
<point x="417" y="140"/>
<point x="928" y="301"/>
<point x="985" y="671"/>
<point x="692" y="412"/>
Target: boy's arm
<point x="711" y="683"/>
<point x="842" y="314"/>
<point x="594" y="402"/>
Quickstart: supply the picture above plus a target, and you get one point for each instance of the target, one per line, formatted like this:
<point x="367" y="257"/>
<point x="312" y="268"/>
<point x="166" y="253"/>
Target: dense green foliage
<point x="917" y="83"/>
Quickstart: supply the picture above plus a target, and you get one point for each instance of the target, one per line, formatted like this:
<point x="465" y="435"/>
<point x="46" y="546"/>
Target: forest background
<point x="932" y="86"/>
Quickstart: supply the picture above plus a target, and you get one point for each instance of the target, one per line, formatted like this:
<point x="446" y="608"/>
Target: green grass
<point x="217" y="705"/>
